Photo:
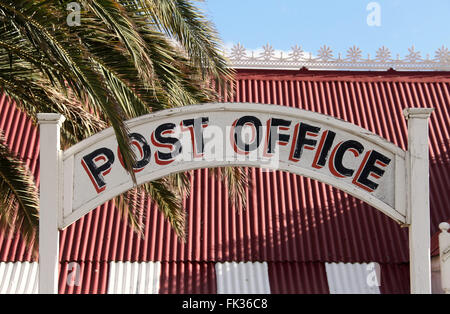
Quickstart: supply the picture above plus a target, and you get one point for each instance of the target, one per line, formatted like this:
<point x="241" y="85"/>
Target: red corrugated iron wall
<point x="290" y="219"/>
<point x="371" y="100"/>
<point x="83" y="277"/>
<point x="395" y="279"/>
<point x="188" y="278"/>
<point x="23" y="139"/>
<point x="278" y="225"/>
<point x="298" y="278"/>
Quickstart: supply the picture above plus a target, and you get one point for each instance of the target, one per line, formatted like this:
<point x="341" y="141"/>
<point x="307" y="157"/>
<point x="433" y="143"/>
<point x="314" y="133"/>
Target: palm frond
<point x="128" y="58"/>
<point x="194" y="35"/>
<point x="186" y="23"/>
<point x="237" y="182"/>
<point x="117" y="20"/>
<point x="179" y="183"/>
<point x="130" y="205"/>
<point x="164" y="194"/>
<point x="34" y="21"/>
<point x="19" y="201"/>
<point x="169" y="204"/>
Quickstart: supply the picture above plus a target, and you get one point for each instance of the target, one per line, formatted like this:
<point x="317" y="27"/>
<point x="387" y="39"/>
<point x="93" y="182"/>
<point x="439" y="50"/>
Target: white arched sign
<point x="321" y="147"/>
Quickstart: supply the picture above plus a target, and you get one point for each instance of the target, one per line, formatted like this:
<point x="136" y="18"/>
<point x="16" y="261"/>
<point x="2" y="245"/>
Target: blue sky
<point x="339" y="24"/>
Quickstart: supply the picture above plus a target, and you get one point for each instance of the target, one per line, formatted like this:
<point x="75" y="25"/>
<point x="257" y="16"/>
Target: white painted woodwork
<point x="67" y="194"/>
<point x="81" y="196"/>
<point x="50" y="200"/>
<point x="418" y="199"/>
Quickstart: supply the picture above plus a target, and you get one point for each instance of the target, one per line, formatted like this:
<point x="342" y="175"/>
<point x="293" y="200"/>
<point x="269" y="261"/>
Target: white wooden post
<point x="418" y="213"/>
<point x="49" y="201"/>
<point x="444" y="256"/>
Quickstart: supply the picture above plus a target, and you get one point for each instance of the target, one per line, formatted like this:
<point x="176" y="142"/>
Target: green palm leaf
<point x="127" y="58"/>
<point x="19" y="201"/>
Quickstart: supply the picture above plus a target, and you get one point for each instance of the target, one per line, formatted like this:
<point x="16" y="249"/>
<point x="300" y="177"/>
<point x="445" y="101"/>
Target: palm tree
<point x="124" y="59"/>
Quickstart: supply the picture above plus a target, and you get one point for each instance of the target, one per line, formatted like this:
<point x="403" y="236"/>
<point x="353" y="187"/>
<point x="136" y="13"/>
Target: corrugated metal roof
<point x="298" y="278"/>
<point x="18" y="278"/>
<point x="188" y="278"/>
<point x="395" y="279"/>
<point x="242" y="278"/>
<point x="203" y="278"/>
<point x="353" y="278"/>
<point x="289" y="218"/>
<point x="303" y="228"/>
<point x="92" y="277"/>
<point x="134" y="278"/>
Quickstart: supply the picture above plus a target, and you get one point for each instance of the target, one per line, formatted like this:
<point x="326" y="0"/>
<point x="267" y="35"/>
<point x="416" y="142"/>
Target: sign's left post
<point x="50" y="200"/>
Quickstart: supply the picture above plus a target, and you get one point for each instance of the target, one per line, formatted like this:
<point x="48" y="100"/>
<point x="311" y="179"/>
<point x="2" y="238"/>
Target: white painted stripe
<point x="242" y="278"/>
<point x="353" y="278"/>
<point x="134" y="278"/>
<point x="19" y="278"/>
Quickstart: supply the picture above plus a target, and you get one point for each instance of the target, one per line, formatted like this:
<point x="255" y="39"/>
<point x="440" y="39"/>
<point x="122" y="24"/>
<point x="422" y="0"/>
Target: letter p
<point x="98" y="164"/>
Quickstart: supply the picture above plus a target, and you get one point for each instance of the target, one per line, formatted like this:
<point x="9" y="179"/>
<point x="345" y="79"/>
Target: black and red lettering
<point x="325" y="144"/>
<point x="195" y="127"/>
<point x="274" y="137"/>
<point x="372" y="165"/>
<point x="96" y="171"/>
<point x="239" y="145"/>
<point x="161" y="140"/>
<point x="301" y="141"/>
<point x="336" y="165"/>
<point x="142" y="146"/>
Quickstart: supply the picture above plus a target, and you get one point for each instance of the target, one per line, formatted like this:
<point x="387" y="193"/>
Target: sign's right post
<point x="418" y="200"/>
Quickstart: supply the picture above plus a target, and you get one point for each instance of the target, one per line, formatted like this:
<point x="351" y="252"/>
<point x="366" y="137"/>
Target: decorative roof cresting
<point x="326" y="59"/>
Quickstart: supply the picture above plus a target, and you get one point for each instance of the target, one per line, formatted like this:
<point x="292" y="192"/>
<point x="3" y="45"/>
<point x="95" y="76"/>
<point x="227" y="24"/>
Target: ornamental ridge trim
<point x="353" y="59"/>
